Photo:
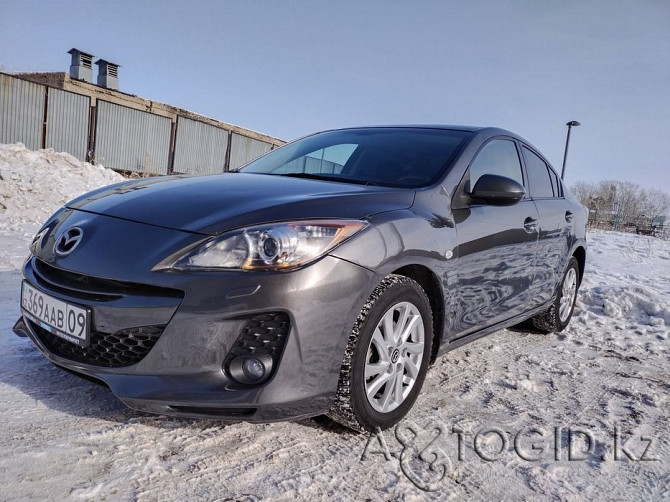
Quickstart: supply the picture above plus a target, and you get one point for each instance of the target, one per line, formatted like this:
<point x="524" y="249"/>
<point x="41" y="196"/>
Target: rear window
<point x="399" y="157"/>
<point x="556" y="182"/>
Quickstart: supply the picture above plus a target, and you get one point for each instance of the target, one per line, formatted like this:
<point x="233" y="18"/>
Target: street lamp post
<point x="571" y="124"/>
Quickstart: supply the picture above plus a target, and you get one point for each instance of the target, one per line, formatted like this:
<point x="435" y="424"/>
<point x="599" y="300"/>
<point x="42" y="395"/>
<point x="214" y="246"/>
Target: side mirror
<point x="497" y="190"/>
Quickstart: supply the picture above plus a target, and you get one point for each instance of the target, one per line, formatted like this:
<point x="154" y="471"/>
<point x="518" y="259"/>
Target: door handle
<point x="530" y="225"/>
<point x="568" y="216"/>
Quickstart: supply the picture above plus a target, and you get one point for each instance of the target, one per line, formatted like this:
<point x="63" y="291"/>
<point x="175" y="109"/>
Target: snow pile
<point x="35" y="184"/>
<point x="607" y="375"/>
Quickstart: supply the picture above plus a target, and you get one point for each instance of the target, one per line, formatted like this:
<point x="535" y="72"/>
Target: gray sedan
<point x="322" y="278"/>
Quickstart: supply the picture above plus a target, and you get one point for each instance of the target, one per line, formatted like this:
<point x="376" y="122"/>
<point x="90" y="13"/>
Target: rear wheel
<point x="386" y="358"/>
<point x="557" y="317"/>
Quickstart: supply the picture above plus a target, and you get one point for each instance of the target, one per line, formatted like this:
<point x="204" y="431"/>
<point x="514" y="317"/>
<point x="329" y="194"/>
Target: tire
<point x="395" y="368"/>
<point x="557" y="317"/>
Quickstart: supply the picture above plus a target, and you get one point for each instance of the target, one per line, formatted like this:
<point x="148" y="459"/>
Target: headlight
<point x="276" y="246"/>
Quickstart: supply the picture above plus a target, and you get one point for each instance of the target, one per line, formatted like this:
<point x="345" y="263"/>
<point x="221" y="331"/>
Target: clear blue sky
<point x="288" y="68"/>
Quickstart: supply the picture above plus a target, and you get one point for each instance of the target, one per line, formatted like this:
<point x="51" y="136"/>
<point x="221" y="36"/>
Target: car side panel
<point x="555" y="241"/>
<point x="495" y="257"/>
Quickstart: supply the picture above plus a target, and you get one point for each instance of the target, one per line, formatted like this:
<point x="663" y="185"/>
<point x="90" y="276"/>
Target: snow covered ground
<point x="484" y="427"/>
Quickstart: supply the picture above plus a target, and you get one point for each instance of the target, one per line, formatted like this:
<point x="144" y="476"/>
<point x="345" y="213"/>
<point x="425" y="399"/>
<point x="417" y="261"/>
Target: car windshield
<point x="396" y="157"/>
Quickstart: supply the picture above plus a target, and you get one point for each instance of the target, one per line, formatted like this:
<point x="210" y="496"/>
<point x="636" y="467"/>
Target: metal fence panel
<point x="68" y="122"/>
<point x="21" y="112"/>
<point x="200" y="148"/>
<point x="131" y="140"/>
<point x="317" y="166"/>
<point x="244" y="149"/>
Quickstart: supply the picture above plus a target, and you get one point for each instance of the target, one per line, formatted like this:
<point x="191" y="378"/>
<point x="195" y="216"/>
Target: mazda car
<point x="323" y="278"/>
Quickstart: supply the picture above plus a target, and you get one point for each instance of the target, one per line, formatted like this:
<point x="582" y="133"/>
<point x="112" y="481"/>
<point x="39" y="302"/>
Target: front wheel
<point x="557" y="317"/>
<point x="386" y="358"/>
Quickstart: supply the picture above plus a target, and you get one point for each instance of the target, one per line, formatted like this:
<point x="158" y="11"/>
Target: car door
<point x="496" y="245"/>
<point x="554" y="229"/>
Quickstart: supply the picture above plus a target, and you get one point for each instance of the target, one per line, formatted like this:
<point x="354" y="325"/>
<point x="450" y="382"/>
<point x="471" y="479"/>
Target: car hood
<point x="217" y="203"/>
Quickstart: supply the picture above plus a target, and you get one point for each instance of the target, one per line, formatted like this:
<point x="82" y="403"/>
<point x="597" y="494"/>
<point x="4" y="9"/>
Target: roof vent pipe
<point x="81" y="67"/>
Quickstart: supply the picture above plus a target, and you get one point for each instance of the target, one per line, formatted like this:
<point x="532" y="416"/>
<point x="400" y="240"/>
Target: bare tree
<point x="583" y="191"/>
<point x="656" y="203"/>
<point x="622" y="203"/>
<point x="628" y="201"/>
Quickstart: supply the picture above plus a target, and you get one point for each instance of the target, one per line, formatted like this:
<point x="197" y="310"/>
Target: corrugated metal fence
<point x="21" y="112"/>
<point x="117" y="136"/>
<point x="200" y="148"/>
<point x="243" y="150"/>
<point x="68" y="118"/>
<point x="132" y="140"/>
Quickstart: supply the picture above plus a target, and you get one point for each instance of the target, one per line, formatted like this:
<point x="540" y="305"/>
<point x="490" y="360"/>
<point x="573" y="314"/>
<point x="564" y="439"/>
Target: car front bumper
<point x="182" y="374"/>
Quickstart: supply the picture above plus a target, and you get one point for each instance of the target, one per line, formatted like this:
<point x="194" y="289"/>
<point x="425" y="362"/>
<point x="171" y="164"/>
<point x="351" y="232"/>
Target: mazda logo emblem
<point x="68" y="241"/>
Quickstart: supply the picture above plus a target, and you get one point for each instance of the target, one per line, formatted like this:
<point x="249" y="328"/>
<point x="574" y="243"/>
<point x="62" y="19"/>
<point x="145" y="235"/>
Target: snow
<point x="608" y="373"/>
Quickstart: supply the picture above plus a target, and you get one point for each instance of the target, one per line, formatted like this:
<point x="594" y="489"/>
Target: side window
<point x="539" y="180"/>
<point x="497" y="157"/>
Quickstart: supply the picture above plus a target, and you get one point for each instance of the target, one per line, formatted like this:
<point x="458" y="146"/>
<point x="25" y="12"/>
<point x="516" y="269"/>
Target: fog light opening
<point x="252" y="369"/>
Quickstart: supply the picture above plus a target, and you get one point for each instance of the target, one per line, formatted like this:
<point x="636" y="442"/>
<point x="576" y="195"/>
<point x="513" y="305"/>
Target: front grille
<point x="93" y="288"/>
<point x="262" y="334"/>
<point x="122" y="348"/>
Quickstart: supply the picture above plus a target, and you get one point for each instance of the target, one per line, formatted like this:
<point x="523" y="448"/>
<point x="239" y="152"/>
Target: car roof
<point x="463" y="128"/>
<point x="482" y="131"/>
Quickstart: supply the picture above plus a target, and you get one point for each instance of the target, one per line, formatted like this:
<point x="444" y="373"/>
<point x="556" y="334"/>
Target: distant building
<point x="100" y="123"/>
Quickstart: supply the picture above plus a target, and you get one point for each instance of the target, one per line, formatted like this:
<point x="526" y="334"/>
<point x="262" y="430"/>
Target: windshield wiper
<point x="315" y="176"/>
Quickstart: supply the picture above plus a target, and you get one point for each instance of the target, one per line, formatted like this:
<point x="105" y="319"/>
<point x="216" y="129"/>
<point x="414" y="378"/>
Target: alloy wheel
<point x="394" y="357"/>
<point x="568" y="294"/>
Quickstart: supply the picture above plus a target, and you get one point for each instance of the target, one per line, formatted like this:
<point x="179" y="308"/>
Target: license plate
<point x="66" y="320"/>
